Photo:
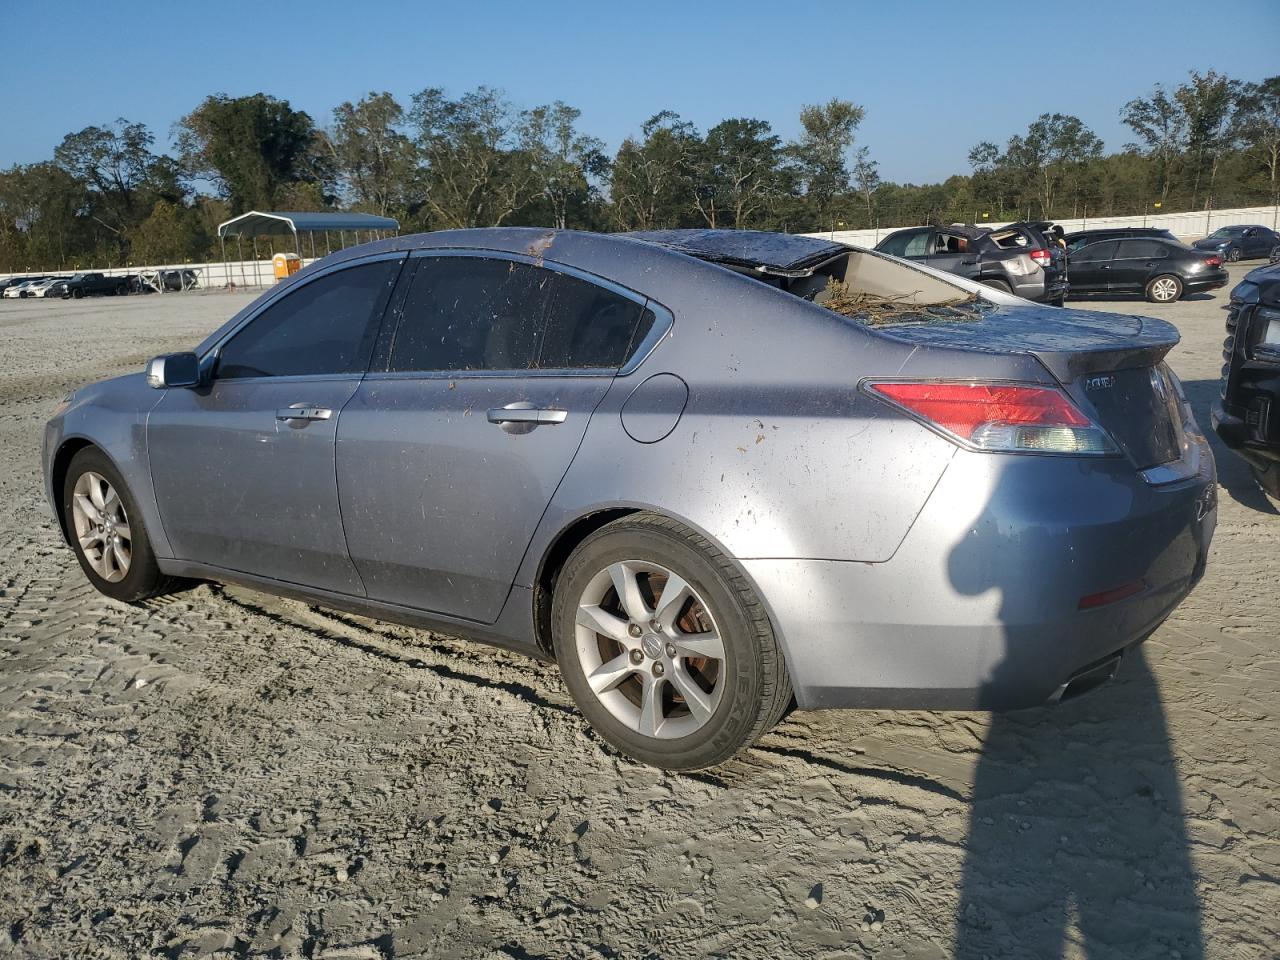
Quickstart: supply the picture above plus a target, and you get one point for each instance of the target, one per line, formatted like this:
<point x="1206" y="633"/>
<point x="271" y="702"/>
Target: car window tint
<point x="1094" y="252"/>
<point x="471" y="313"/>
<point x="589" y="326"/>
<point x="326" y="326"/>
<point x="474" y="313"/>
<point x="1141" y="250"/>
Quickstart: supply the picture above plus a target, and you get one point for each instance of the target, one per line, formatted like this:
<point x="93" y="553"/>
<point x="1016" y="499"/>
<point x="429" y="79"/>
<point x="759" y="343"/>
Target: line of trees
<point x="108" y="196"/>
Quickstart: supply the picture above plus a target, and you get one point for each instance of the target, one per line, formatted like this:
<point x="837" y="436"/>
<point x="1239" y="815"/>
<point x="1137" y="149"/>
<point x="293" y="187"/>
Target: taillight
<point x="1042" y="257"/>
<point x="1213" y="261"/>
<point x="997" y="417"/>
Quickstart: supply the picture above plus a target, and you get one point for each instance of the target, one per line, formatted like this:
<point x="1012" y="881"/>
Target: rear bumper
<point x="980" y="608"/>
<point x="1211" y="280"/>
<point x="1035" y="287"/>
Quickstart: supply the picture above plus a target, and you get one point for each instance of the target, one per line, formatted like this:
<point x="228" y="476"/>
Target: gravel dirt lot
<point x="225" y="774"/>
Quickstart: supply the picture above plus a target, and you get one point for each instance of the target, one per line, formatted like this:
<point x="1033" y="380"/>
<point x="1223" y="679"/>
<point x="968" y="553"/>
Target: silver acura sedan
<point x="712" y="474"/>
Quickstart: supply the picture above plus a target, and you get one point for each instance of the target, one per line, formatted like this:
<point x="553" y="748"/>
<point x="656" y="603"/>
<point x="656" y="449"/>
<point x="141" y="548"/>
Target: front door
<point x="244" y="467"/>
<point x="448" y="458"/>
<point x="1090" y="267"/>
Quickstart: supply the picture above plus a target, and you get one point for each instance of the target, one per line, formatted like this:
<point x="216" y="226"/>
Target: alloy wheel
<point x="102" y="526"/>
<point x="650" y="649"/>
<point x="1164" y="290"/>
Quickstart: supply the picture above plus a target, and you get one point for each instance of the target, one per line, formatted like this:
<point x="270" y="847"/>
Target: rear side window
<point x="1094" y="252"/>
<point x="1141" y="250"/>
<point x="327" y="326"/>
<point x="472" y="313"/>
<point x="589" y="326"/>
<point x="907" y="244"/>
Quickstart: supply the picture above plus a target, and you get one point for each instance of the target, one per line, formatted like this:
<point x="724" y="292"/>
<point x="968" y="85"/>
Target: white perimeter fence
<point x="220" y="275"/>
<point x="217" y="275"/>
<point x="1185" y="226"/>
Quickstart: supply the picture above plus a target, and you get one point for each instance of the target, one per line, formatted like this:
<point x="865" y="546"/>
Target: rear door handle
<point x="303" y="412"/>
<point x="534" y="415"/>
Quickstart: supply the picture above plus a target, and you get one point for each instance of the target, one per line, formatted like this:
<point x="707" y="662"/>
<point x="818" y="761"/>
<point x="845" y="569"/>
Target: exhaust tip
<point x="1094" y="675"/>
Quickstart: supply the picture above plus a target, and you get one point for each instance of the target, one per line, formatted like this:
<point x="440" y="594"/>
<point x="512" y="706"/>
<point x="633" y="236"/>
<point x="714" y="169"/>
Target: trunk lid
<point x="1110" y="364"/>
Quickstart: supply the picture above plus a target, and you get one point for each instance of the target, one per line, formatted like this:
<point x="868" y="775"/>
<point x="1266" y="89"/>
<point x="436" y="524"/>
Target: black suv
<point x="1246" y="414"/>
<point x="1161" y="270"/>
<point x="1074" y="241"/>
<point x="1017" y="259"/>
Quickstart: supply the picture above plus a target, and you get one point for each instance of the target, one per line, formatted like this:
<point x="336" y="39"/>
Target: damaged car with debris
<point x="711" y="474"/>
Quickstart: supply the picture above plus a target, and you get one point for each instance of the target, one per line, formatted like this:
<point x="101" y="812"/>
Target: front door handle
<point x="303" y="412"/>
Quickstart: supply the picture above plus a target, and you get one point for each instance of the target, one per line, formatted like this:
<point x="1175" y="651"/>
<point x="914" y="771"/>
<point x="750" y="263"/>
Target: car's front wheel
<point x="664" y="645"/>
<point x="107" y="532"/>
<point x="1165" y="288"/>
<point x="1234" y="254"/>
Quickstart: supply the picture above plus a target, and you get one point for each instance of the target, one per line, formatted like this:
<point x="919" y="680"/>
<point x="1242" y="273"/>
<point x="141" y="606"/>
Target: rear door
<point x="449" y="454"/>
<point x="1136" y="261"/>
<point x="953" y="252"/>
<point x="1091" y="267"/>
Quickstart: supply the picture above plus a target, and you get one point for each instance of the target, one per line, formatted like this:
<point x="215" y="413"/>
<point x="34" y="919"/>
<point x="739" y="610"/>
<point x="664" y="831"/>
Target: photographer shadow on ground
<point x="1077" y="842"/>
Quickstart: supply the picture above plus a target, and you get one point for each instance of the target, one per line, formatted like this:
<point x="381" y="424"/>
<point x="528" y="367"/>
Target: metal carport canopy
<point x="258" y="223"/>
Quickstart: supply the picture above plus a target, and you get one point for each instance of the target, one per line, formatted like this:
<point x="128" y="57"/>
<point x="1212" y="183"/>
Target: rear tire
<point x="106" y="530"/>
<point x="997" y="285"/>
<point x="1165" y="288"/>
<point x="680" y="683"/>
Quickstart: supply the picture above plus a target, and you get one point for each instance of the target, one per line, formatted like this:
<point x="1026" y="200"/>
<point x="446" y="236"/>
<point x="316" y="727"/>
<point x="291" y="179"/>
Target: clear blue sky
<point x="935" y="77"/>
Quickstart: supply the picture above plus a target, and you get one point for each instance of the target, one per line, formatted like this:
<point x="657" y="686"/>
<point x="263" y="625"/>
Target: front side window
<point x="327" y="326"/>
<point x="474" y="313"/>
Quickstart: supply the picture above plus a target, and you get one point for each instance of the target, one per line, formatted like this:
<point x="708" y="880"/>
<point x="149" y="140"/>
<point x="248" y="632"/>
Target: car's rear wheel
<point x="107" y="531"/>
<point x="1234" y="254"/>
<point x="664" y="645"/>
<point x="1165" y="288"/>
<point x="997" y="285"/>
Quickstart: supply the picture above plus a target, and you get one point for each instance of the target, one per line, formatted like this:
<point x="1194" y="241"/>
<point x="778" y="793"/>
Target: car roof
<point x="747" y="248"/>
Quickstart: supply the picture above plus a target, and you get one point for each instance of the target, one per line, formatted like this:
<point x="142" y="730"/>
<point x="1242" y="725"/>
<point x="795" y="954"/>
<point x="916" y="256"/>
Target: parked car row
<point x="1037" y="261"/>
<point x="78" y="285"/>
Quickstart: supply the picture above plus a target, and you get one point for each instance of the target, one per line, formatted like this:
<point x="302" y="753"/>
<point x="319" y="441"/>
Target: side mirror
<point x="173" y="370"/>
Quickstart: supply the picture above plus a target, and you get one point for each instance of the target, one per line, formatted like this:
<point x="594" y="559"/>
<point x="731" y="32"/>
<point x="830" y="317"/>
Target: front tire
<point x="1165" y="288"/>
<point x="665" y="647"/>
<point x="1234" y="254"/>
<point x="106" y="530"/>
